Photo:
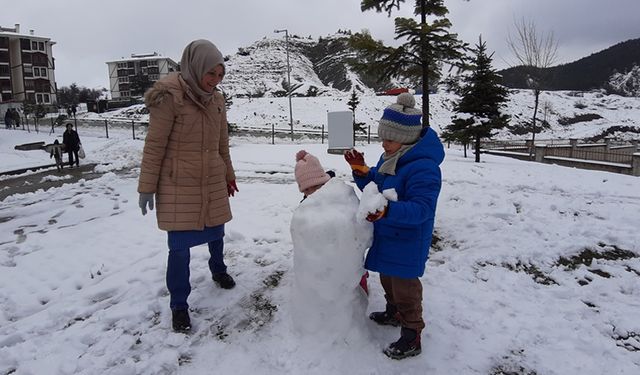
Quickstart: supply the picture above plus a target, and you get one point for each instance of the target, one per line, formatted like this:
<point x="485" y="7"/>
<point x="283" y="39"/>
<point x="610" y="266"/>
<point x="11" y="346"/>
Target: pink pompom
<point x="300" y="155"/>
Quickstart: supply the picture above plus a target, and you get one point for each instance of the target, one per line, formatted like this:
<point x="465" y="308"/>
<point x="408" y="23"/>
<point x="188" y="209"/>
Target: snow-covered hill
<point x="569" y="114"/>
<point x="627" y="84"/>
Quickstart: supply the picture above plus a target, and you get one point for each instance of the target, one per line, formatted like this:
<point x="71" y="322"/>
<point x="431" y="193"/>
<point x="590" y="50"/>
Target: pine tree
<point x="482" y="98"/>
<point x="427" y="46"/>
<point x="353" y="103"/>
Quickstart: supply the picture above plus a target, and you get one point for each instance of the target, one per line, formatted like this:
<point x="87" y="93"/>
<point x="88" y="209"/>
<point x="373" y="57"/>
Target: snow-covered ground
<point x="536" y="271"/>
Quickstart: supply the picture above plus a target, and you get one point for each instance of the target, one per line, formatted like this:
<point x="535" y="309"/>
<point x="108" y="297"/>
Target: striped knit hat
<point x="308" y="171"/>
<point x="400" y="122"/>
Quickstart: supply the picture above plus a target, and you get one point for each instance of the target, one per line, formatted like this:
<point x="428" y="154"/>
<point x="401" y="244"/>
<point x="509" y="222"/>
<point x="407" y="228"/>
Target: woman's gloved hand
<point x="232" y="188"/>
<point x="144" y="200"/>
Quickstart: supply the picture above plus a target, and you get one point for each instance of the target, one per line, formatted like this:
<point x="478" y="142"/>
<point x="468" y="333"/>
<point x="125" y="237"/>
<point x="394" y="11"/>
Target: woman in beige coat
<point x="187" y="168"/>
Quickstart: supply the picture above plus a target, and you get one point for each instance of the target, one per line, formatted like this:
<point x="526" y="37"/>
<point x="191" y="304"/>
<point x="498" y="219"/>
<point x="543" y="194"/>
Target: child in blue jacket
<point x="404" y="227"/>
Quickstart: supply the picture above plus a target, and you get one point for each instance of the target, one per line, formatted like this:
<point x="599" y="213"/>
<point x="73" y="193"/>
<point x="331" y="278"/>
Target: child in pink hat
<point x="310" y="177"/>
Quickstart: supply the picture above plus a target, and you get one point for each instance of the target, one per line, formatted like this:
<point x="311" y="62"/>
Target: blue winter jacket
<point x="402" y="238"/>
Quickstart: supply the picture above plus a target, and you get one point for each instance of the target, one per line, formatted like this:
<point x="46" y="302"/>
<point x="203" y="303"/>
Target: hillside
<point x="566" y="114"/>
<point x="589" y="73"/>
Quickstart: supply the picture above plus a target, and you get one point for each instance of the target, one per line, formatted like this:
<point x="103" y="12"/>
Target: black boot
<point x="408" y="345"/>
<point x="180" y="320"/>
<point x="224" y="280"/>
<point x="387" y="317"/>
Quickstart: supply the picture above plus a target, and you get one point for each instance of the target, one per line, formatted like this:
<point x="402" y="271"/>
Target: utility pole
<point x="286" y="38"/>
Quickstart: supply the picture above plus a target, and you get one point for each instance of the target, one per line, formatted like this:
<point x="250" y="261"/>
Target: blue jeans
<point x="178" y="270"/>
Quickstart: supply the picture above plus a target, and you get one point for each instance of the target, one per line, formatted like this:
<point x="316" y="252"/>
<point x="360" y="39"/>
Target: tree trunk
<point x="425" y="68"/>
<point x="464" y="147"/>
<point x="477" y="149"/>
<point x="533" y="124"/>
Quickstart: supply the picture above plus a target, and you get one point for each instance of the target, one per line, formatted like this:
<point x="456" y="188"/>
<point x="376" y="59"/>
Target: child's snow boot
<point x="408" y="345"/>
<point x="387" y="317"/>
<point x="181" y="321"/>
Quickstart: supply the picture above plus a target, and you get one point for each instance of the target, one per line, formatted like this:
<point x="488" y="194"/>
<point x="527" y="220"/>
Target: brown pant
<point x="406" y="296"/>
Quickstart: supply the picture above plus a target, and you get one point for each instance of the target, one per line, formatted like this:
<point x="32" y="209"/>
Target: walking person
<point x="71" y="142"/>
<point x="402" y="230"/>
<point x="16" y="117"/>
<point x="8" y="119"/>
<point x="186" y="169"/>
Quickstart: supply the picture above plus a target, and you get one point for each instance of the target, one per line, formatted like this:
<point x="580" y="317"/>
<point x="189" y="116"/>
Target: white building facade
<point x="122" y="72"/>
<point x="27" y="67"/>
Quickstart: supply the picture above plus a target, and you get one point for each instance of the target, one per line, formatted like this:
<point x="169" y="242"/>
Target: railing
<point x="589" y="152"/>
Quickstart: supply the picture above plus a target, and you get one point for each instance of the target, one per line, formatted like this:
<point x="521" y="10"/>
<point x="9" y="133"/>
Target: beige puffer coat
<point x="186" y="160"/>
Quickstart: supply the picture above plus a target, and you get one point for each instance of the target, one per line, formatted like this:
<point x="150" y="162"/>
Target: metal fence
<point x="598" y="153"/>
<point x="132" y="129"/>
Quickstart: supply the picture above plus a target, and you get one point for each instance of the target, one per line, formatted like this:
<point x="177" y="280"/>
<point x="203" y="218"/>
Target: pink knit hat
<point x="308" y="171"/>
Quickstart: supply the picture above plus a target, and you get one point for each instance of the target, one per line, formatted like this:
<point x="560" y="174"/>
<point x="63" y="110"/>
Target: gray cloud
<point x="90" y="32"/>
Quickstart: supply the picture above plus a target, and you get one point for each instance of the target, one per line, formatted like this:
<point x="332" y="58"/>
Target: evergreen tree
<point x="427" y="45"/>
<point x="481" y="99"/>
<point x="139" y="84"/>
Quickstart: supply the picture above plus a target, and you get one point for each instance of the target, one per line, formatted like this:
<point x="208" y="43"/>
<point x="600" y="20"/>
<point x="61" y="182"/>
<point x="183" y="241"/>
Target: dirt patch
<point x="603" y="251"/>
<point x="532" y="270"/>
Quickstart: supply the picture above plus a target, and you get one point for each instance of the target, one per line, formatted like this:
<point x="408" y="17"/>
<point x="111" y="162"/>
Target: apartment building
<point x="122" y="72"/>
<point x="26" y="67"/>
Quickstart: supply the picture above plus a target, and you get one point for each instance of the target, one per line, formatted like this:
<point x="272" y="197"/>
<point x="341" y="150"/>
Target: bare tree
<point x="536" y="51"/>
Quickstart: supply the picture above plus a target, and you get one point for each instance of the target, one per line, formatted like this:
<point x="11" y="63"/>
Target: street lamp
<point x="286" y="38"/>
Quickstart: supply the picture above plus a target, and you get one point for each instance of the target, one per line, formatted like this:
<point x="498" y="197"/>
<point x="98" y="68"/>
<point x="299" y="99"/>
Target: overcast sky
<point x="90" y="32"/>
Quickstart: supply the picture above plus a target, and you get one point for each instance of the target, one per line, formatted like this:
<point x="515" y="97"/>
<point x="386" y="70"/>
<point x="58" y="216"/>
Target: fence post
<point x="133" y="129"/>
<point x="573" y="142"/>
<point x="75" y="122"/>
<point x="636" y="164"/>
<point x="369" y="135"/>
<point x="273" y="134"/>
<point x="322" y="134"/>
<point x="52" y="126"/>
<point x="106" y="128"/>
<point x="540" y="151"/>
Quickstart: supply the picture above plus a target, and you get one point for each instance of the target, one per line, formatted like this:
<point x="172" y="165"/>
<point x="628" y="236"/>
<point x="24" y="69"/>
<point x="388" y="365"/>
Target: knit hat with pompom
<point x="400" y="122"/>
<point x="308" y="171"/>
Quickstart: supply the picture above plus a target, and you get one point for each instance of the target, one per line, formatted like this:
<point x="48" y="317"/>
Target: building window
<point x="123" y="79"/>
<point x="43" y="72"/>
<point x="122" y="65"/>
<point x="125" y="93"/>
<point x="153" y="63"/>
<point x="153" y="77"/>
<point x="34" y="46"/>
<point x="39" y="98"/>
<point x="46" y="98"/>
<point x="41" y="46"/>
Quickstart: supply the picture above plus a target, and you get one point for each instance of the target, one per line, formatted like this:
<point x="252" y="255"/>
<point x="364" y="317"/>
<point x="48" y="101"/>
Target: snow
<point x="83" y="290"/>
<point x="328" y="255"/>
<point x="372" y="201"/>
<point x="310" y="113"/>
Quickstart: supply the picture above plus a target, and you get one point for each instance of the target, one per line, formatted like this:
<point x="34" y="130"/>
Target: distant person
<point x="73" y="110"/>
<point x="71" y="142"/>
<point x="69" y="111"/>
<point x="187" y="171"/>
<point x="55" y="151"/>
<point x="16" y="117"/>
<point x="8" y="119"/>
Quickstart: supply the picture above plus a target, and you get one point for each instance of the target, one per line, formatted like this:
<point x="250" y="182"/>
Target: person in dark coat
<point x="71" y="142"/>
<point x="16" y="117"/>
<point x="8" y="119"/>
<point x="403" y="228"/>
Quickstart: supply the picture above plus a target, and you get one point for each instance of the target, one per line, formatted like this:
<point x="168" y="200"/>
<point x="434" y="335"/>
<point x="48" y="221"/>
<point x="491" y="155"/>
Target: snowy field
<point x="310" y="113"/>
<point x="536" y="270"/>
